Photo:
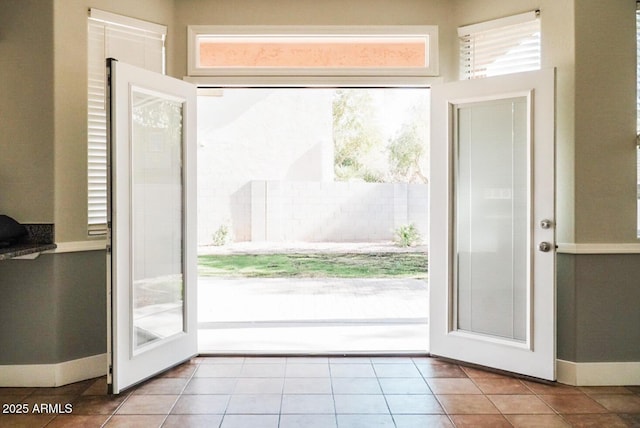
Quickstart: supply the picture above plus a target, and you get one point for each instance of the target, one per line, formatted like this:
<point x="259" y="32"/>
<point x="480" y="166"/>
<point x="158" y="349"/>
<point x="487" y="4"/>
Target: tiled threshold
<point x="308" y="392"/>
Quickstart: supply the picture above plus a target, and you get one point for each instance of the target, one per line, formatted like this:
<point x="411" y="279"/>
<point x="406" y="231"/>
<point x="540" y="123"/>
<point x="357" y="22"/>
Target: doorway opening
<point x="312" y="220"/>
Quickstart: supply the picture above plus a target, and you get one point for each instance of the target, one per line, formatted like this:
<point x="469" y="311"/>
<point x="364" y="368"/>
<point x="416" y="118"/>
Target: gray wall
<point x="599" y="294"/>
<point x="53" y="308"/>
<point x="599" y="307"/>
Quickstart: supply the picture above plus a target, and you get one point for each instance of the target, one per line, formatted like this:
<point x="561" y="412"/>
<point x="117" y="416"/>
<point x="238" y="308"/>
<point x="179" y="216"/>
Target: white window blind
<point x="129" y="40"/>
<point x="502" y="46"/>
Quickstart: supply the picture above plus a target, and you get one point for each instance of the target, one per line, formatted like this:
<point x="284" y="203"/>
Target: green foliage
<point x="373" y="176"/>
<point x="355" y="135"/>
<point x="221" y="236"/>
<point x="360" y="151"/>
<point x="405" y="154"/>
<point x="407" y="236"/>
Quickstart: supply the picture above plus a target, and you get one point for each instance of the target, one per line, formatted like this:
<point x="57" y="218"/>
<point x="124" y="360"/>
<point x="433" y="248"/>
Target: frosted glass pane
<point x="157" y="218"/>
<point x="313" y="51"/>
<point x="491" y="226"/>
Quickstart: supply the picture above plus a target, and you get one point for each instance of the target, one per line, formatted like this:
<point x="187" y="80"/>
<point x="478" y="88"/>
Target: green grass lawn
<point x="317" y="265"/>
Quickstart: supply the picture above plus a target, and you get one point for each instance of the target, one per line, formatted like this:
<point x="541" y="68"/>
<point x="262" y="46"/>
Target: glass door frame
<point x="527" y="97"/>
<point x="127" y="365"/>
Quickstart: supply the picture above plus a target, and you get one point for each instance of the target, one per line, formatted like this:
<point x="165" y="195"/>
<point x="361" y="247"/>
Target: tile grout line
<point x="438" y="399"/>
<point x="535" y="394"/>
<point x="129" y="394"/>
<point x="333" y="393"/>
<point x="436" y="396"/>
<point x="373" y="367"/>
<point x="284" y="381"/>
<point x="180" y="394"/>
<point x="233" y="391"/>
<point x="371" y="362"/>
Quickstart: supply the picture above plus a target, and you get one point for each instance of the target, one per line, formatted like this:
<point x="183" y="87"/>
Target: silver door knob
<point x="546" y="224"/>
<point x="545" y="247"/>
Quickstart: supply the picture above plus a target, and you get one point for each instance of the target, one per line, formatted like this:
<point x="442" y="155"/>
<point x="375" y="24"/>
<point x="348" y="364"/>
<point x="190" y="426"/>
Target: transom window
<point x="287" y="50"/>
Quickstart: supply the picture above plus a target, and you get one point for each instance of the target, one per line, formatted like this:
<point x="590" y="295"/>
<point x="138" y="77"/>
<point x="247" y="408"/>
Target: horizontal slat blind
<point x="492" y="49"/>
<point x="128" y="40"/>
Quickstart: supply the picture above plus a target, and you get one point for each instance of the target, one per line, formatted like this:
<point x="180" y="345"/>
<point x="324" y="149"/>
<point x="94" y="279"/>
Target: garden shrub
<point x="407" y="236"/>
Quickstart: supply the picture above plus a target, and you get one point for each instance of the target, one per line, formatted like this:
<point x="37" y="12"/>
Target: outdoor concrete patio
<point x="310" y="315"/>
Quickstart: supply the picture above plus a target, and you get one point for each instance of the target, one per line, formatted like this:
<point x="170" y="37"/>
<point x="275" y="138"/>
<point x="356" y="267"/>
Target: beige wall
<point x="43" y="107"/>
<point x="605" y="118"/>
<point x="26" y="111"/>
<point x="312" y="12"/>
<point x="557" y="51"/>
<point x="70" y="88"/>
<point x="591" y="42"/>
<point x="596" y="176"/>
<point x="595" y="133"/>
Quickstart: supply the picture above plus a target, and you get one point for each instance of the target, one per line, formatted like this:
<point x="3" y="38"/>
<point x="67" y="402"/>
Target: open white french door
<point x="492" y="223"/>
<point x="152" y="274"/>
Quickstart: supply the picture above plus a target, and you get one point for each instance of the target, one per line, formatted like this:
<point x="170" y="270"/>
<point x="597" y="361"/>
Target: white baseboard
<point x="598" y="374"/>
<point x="50" y="375"/>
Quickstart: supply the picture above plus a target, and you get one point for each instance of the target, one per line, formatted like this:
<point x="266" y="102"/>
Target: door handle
<point x="545" y="247"/>
<point x="546" y="223"/>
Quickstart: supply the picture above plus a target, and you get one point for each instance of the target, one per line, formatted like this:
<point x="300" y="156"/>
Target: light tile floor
<point x="310" y="392"/>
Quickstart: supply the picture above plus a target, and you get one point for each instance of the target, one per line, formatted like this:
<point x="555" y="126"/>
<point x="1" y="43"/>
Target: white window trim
<point x="125" y="21"/>
<point x="313" y="81"/>
<point x="429" y="31"/>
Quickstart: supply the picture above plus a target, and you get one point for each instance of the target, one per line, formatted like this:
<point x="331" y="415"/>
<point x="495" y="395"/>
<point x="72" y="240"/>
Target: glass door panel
<point x="157" y="217"/>
<point x="491" y="226"/>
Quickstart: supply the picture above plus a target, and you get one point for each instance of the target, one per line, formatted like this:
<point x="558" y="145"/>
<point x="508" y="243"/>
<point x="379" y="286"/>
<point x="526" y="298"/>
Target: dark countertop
<point x="40" y="239"/>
